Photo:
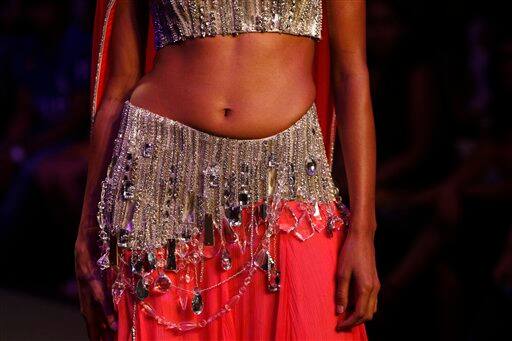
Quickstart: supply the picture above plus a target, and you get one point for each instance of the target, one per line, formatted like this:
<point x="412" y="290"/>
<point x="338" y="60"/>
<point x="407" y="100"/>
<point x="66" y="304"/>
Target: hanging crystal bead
<point x="141" y="289"/>
<point x="225" y="259"/>
<point x="162" y="283"/>
<point x="260" y="258"/>
<point x="151" y="258"/>
<point x="197" y="302"/>
<point x="233" y="213"/>
<point x="274" y="280"/>
<point x="117" y="290"/>
<point x="104" y="261"/>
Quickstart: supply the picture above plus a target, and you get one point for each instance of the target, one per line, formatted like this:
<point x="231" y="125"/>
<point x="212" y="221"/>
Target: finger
<point x="372" y="305"/>
<point x="341" y="297"/>
<point x="360" y="312"/>
<point x="105" y="305"/>
<point x="376" y="305"/>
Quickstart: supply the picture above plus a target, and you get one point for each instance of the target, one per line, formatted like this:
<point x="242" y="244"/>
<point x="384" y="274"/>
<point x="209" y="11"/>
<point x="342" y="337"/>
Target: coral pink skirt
<point x="302" y="309"/>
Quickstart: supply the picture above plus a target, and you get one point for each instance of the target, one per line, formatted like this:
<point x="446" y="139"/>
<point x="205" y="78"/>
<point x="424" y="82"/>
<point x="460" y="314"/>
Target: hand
<point x="95" y="303"/>
<point x="357" y="281"/>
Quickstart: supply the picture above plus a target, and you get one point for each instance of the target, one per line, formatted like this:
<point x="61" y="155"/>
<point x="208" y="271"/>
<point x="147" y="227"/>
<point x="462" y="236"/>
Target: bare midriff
<point x="249" y="86"/>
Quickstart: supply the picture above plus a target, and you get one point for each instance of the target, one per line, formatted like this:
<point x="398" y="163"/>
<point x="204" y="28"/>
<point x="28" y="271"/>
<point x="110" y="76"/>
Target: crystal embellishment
<point x="147" y="150"/>
<point x="311" y="167"/>
<point x="141" y="289"/>
<point x="162" y="283"/>
<point x="225" y="260"/>
<point x="197" y="302"/>
<point x="128" y="190"/>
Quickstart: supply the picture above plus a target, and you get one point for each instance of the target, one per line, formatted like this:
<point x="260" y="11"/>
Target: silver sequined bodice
<point x="179" y="20"/>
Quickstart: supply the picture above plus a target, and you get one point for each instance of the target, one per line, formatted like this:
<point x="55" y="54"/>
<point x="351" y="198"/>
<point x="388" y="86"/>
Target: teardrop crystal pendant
<point x="104" y="261"/>
<point x="225" y="259"/>
<point x="197" y="302"/>
<point x="141" y="289"/>
<point x="274" y="280"/>
<point x="260" y="260"/>
<point x="234" y="215"/>
<point x="151" y="258"/>
<point x="117" y="290"/>
<point x="162" y="283"/>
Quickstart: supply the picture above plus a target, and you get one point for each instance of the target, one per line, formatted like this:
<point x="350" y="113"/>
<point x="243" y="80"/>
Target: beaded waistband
<point x="168" y="180"/>
<point x="175" y="197"/>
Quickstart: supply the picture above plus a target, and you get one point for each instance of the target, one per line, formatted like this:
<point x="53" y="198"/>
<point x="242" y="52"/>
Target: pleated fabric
<point x="302" y="309"/>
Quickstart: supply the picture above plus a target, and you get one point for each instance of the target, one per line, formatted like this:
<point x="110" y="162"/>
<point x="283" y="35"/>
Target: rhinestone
<point x="128" y="190"/>
<point x="311" y="166"/>
<point x="123" y="238"/>
<point x="243" y="198"/>
<point x="212" y="176"/>
<point x="233" y="213"/>
<point x="147" y="150"/>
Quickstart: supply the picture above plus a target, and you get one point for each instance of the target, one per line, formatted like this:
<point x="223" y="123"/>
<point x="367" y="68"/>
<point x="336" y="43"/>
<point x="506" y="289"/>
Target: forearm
<point x="357" y="136"/>
<point x="125" y="69"/>
<point x="100" y="150"/>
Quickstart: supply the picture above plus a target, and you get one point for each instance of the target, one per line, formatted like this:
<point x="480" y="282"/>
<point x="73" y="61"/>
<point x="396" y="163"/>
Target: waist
<point x="166" y="178"/>
<point x="230" y="88"/>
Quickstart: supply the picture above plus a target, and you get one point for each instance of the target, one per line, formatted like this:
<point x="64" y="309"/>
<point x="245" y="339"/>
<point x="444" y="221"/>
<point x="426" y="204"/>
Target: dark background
<point x="441" y="76"/>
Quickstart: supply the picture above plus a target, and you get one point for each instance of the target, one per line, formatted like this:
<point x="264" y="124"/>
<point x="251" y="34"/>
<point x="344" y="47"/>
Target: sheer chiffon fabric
<point x="302" y="309"/>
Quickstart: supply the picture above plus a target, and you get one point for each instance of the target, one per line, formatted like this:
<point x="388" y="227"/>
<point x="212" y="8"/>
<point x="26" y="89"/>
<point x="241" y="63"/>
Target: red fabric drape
<point x="103" y="21"/>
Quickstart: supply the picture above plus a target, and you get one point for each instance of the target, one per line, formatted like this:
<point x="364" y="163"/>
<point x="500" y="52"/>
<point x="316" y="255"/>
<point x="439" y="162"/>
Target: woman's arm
<point x="358" y="284"/>
<point x="125" y="68"/>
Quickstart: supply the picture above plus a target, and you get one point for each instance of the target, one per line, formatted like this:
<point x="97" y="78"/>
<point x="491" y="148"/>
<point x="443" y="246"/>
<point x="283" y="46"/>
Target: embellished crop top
<point x="179" y="20"/>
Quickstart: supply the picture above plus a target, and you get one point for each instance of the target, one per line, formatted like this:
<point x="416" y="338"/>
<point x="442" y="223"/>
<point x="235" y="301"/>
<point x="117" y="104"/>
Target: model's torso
<point x="250" y="86"/>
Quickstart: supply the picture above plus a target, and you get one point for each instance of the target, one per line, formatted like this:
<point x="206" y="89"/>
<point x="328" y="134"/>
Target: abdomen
<point x="249" y="86"/>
